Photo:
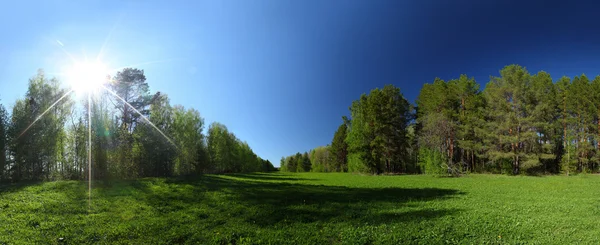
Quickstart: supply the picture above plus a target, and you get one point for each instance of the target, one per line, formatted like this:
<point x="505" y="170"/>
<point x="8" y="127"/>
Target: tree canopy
<point x="520" y="123"/>
<point x="133" y="134"/>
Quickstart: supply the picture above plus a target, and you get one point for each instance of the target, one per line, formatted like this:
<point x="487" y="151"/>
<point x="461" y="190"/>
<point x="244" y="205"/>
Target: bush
<point x="432" y="162"/>
<point x="356" y="164"/>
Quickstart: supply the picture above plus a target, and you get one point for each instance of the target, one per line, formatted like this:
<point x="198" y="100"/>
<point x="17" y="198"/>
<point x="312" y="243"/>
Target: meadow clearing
<point x="305" y="208"/>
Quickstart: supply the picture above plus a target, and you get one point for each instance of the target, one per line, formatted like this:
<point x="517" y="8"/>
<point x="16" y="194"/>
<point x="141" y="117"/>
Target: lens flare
<point x="141" y="115"/>
<point x="87" y="76"/>
<point x="89" y="152"/>
<point x="44" y="113"/>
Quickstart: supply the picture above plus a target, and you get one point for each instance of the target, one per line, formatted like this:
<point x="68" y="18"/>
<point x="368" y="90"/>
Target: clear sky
<point x="280" y="74"/>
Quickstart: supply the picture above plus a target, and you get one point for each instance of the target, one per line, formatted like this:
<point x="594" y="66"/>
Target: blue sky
<point x="281" y="74"/>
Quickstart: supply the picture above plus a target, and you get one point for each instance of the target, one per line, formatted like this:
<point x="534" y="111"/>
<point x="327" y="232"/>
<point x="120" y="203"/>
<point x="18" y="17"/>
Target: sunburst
<point x="87" y="78"/>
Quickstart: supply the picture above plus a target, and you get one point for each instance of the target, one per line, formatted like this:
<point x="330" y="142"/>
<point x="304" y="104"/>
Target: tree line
<point x="520" y="123"/>
<point x="133" y="134"/>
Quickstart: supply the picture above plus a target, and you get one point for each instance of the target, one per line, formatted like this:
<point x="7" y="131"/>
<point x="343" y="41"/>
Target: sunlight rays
<point x="108" y="37"/>
<point x="44" y="113"/>
<point x="141" y="115"/>
<point x="86" y="78"/>
<point x="142" y="64"/>
<point x="89" y="151"/>
<point x="62" y="48"/>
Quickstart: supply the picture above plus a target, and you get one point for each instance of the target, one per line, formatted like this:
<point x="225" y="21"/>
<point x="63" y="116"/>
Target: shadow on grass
<point x="267" y="177"/>
<point x="268" y="204"/>
<point x="195" y="209"/>
<point x="220" y="198"/>
<point x="14" y="187"/>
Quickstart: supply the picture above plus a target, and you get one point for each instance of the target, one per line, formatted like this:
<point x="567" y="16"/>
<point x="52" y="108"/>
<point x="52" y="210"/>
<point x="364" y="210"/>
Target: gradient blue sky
<point x="280" y="74"/>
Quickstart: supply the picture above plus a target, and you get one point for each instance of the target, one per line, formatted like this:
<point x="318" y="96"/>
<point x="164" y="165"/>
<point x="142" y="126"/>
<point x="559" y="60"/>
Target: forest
<point x="519" y="123"/>
<point x="161" y="177"/>
<point x="134" y="133"/>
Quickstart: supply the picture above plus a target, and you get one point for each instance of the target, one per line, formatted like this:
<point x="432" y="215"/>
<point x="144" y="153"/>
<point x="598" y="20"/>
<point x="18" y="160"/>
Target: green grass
<point x="307" y="208"/>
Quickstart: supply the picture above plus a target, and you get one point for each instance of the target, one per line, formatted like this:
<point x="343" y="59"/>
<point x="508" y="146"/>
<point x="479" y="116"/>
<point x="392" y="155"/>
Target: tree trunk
<point x="598" y="141"/>
<point x="472" y="160"/>
<point x="451" y="150"/>
<point x="516" y="165"/>
<point x="565" y="124"/>
<point x="462" y="158"/>
<point x="462" y="103"/>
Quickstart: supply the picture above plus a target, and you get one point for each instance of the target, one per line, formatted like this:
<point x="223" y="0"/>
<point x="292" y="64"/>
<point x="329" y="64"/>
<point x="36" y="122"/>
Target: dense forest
<point x="520" y="123"/>
<point x="133" y="134"/>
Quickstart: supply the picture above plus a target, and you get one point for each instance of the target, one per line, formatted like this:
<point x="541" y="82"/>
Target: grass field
<point x="305" y="208"/>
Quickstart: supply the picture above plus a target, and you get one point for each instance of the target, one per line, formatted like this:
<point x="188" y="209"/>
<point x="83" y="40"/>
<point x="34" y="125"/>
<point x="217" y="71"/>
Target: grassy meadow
<point x="305" y="208"/>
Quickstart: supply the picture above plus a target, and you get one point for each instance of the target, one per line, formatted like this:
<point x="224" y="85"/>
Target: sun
<point x="87" y="76"/>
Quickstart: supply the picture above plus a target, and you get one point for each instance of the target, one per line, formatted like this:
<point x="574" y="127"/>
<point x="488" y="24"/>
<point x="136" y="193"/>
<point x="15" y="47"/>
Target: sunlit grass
<point x="306" y="208"/>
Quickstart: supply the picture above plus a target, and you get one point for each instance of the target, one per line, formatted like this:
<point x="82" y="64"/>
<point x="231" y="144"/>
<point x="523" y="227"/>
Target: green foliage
<point x="568" y="162"/>
<point x="339" y="150"/>
<point x="3" y="142"/>
<point x="303" y="208"/>
<point x="132" y="134"/>
<point x="512" y="121"/>
<point x="377" y="134"/>
<point x="521" y="123"/>
<point x="449" y="121"/>
<point x="36" y="148"/>
<point x="299" y="162"/>
<point x="101" y="127"/>
<point x="132" y="103"/>
<point x="157" y="156"/>
<point x="306" y="164"/>
<point x="432" y="162"/>
<point x="223" y="159"/>
<point x="283" y="165"/>
<point x="187" y="132"/>
<point x="321" y="160"/>
<point x="356" y="164"/>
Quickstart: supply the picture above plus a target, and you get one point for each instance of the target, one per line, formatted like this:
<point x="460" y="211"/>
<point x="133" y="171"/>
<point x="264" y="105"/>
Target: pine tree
<point x="377" y="136"/>
<point x="545" y="112"/>
<point x="3" y="142"/>
<point x="511" y="122"/>
<point x="339" y="149"/>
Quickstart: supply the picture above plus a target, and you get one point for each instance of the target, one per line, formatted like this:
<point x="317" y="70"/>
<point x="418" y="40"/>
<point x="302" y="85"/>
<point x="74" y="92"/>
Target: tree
<point x="321" y="160"/>
<point x="219" y="148"/>
<point x="306" y="164"/>
<point x="291" y="163"/>
<point x="545" y="114"/>
<point x="130" y="86"/>
<point x="437" y="109"/>
<point x="511" y="119"/>
<point x="99" y="126"/>
<point x="469" y="114"/>
<point x="76" y="144"/>
<point x="155" y="154"/>
<point x="187" y="131"/>
<point x="595" y="98"/>
<point x="283" y="165"/>
<point x="141" y="136"/>
<point x="228" y="154"/>
<point x="3" y="142"/>
<point x="38" y="138"/>
<point x="563" y="96"/>
<point x="377" y="136"/>
<point x="299" y="162"/>
<point x="339" y="150"/>
<point x="582" y="113"/>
